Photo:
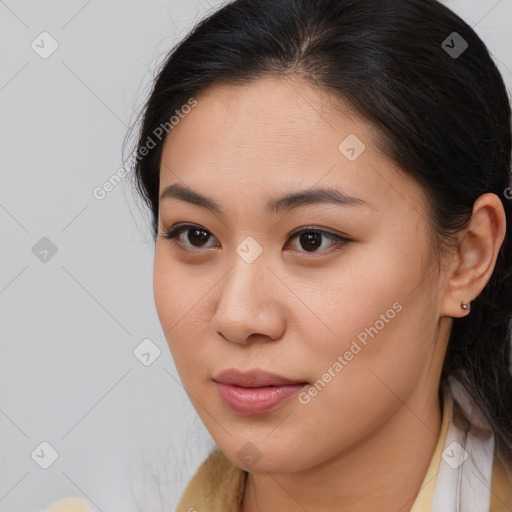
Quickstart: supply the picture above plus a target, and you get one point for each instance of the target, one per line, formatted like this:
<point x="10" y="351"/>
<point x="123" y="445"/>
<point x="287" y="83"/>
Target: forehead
<point x="271" y="111"/>
<point x="283" y="133"/>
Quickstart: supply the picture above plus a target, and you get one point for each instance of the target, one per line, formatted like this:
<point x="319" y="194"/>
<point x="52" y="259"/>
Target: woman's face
<point x="358" y="318"/>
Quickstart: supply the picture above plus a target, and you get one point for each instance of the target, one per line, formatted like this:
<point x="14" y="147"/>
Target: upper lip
<point x="253" y="378"/>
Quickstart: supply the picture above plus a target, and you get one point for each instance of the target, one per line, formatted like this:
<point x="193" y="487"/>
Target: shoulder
<point x="217" y="485"/>
<point x="68" y="505"/>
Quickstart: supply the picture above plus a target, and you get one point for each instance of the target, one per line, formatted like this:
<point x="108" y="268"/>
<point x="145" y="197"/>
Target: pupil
<point x="194" y="232"/>
<point x="310" y="238"/>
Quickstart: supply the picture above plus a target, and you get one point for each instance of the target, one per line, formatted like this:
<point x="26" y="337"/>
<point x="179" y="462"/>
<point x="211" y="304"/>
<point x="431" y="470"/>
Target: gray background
<point x="126" y="436"/>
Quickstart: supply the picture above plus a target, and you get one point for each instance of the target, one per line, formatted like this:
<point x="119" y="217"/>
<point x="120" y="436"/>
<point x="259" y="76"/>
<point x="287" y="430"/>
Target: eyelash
<point x="180" y="228"/>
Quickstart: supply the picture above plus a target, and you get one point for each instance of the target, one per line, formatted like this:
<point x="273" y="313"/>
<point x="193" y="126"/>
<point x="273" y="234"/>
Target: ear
<point x="474" y="262"/>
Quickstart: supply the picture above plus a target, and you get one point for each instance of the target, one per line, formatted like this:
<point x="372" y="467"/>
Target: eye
<point x="310" y="238"/>
<point x="196" y="234"/>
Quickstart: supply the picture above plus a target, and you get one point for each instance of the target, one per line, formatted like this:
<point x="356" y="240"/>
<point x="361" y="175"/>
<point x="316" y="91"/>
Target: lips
<point x="253" y="379"/>
<point x="255" y="391"/>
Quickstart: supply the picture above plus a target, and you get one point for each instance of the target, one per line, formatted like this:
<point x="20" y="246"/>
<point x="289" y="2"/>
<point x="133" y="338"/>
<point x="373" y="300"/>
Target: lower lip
<point x="248" y="401"/>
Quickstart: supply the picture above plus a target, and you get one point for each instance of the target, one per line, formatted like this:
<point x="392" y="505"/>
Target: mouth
<point x="254" y="379"/>
<point x="255" y="391"/>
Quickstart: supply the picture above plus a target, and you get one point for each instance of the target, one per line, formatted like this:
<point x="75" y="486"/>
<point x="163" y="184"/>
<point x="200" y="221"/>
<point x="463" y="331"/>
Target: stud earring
<point x="467" y="306"/>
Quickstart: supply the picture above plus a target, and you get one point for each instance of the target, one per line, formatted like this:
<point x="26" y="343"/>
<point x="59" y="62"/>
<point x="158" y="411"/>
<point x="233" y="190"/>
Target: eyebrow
<point x="316" y="195"/>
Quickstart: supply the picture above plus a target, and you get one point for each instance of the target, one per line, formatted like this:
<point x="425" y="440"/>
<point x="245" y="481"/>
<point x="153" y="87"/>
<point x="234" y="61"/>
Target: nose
<point x="249" y="307"/>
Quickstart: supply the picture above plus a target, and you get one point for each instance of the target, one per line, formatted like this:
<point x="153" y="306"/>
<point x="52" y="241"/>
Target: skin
<point x="365" y="441"/>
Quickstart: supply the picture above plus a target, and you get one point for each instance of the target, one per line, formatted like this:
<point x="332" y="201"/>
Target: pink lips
<point x="254" y="392"/>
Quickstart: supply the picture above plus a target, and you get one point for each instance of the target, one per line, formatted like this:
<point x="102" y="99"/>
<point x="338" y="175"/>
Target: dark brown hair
<point x="444" y="118"/>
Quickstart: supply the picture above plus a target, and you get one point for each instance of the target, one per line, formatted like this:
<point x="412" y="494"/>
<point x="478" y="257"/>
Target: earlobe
<point x="476" y="256"/>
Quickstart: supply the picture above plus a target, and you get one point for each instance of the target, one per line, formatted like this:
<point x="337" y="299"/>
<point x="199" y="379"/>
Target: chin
<point x="265" y="458"/>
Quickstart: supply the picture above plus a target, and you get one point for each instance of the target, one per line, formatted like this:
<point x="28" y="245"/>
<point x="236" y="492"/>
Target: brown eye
<point x="311" y="239"/>
<point x="196" y="236"/>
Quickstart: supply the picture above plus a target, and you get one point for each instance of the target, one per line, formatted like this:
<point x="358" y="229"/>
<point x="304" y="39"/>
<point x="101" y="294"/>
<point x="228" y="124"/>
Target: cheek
<point x="357" y="385"/>
<point x="378" y="335"/>
<point x="173" y="298"/>
<point x="359" y="302"/>
<point x="164" y="290"/>
<point x="180" y="304"/>
<point x="177" y="288"/>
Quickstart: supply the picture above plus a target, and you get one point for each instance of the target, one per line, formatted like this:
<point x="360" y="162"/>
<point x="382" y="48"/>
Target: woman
<point x="330" y="188"/>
